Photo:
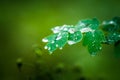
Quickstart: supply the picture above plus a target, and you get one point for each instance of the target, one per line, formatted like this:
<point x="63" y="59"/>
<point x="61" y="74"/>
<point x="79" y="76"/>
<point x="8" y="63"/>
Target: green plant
<point x="90" y="31"/>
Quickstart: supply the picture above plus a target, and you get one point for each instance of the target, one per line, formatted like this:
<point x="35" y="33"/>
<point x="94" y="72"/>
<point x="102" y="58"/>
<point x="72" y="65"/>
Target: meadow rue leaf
<point x="94" y="48"/>
<point x="93" y="41"/>
<point x="112" y="25"/>
<point x="89" y="23"/>
<point x="74" y="38"/>
<point x="50" y="38"/>
<point x="109" y="26"/>
<point x="112" y="37"/>
<point x="63" y="40"/>
<point x="51" y="47"/>
<point x="56" y="41"/>
<point x="112" y="29"/>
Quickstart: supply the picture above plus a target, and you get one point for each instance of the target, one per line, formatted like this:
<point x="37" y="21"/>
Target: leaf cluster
<point x="87" y="30"/>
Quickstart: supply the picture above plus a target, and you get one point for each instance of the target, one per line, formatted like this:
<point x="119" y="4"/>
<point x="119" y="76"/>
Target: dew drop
<point x="45" y="40"/>
<point x="65" y="29"/>
<point x="56" y="29"/>
<point x="82" y="24"/>
<point x="71" y="30"/>
<point x="86" y="30"/>
<point x="49" y="48"/>
<point x="111" y="22"/>
<point x="53" y="42"/>
<point x="46" y="47"/>
<point x="71" y="42"/>
<point x="60" y="48"/>
<point x="56" y="45"/>
<point x="100" y="48"/>
<point x="59" y="37"/>
<point x="51" y="52"/>
<point x="64" y="26"/>
<point x="118" y="35"/>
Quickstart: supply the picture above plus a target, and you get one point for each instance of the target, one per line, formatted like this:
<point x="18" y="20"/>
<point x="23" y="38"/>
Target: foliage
<point x="87" y="30"/>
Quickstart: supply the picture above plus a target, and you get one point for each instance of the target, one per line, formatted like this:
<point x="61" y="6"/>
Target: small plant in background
<point x="19" y="63"/>
<point x="90" y="31"/>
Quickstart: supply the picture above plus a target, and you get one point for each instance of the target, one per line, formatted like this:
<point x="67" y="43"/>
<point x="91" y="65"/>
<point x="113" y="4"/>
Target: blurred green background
<point x="23" y="24"/>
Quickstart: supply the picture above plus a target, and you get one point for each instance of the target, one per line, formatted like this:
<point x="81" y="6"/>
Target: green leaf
<point x="75" y="37"/>
<point x="62" y="35"/>
<point x="51" y="47"/>
<point x="93" y="41"/>
<point x="109" y="26"/>
<point x="88" y="37"/>
<point x="112" y="37"/>
<point x="56" y="41"/>
<point x="50" y="38"/>
<point x="89" y="31"/>
<point x="94" y="48"/>
<point x="90" y="23"/>
<point x="61" y="39"/>
<point x="112" y="29"/>
<point x="112" y="25"/>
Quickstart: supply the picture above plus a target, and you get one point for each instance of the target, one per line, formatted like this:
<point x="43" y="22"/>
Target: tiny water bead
<point x="45" y="40"/>
<point x="56" y="29"/>
<point x="112" y="28"/>
<point x="87" y="30"/>
<point x="71" y="30"/>
<point x="71" y="42"/>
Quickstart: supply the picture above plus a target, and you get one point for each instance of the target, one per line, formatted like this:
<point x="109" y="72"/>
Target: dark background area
<point x="23" y="24"/>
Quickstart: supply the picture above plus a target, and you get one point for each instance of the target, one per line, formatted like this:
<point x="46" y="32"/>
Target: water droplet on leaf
<point x="71" y="42"/>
